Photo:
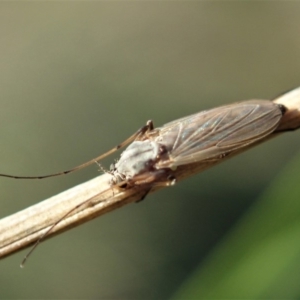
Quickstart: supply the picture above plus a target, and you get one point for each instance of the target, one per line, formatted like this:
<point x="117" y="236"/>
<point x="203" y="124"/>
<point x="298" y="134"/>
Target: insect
<point x="154" y="154"/>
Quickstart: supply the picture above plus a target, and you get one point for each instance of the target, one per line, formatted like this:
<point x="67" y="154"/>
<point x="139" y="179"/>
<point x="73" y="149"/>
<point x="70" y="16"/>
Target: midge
<point x="154" y="154"/>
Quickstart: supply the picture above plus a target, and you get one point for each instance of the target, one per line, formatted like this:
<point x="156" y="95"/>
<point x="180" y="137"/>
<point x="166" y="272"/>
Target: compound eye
<point x="112" y="167"/>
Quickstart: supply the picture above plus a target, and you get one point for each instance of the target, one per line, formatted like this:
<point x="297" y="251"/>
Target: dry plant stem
<point x="22" y="229"/>
<point x="25" y="227"/>
<point x="291" y="119"/>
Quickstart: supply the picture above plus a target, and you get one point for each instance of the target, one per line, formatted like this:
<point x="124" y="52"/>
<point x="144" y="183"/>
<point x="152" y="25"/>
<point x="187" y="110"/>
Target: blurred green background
<point x="76" y="78"/>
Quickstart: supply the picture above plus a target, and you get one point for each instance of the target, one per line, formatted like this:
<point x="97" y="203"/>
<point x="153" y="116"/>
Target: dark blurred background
<point x="76" y="78"/>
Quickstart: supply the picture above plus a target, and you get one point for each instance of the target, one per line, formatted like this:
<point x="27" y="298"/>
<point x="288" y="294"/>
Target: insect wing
<point x="215" y="132"/>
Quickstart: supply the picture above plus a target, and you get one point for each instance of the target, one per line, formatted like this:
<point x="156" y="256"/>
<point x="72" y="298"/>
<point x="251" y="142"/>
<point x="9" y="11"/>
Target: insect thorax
<point x="139" y="157"/>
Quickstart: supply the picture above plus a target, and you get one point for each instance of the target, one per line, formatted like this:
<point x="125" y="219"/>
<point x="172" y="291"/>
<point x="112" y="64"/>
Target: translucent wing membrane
<point x="218" y="131"/>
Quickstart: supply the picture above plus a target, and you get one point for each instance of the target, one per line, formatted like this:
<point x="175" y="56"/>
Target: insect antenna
<point x="137" y="134"/>
<point x="48" y="231"/>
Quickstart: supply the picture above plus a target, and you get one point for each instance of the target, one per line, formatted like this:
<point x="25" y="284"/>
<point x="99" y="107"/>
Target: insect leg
<point x="169" y="182"/>
<point x="147" y="191"/>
